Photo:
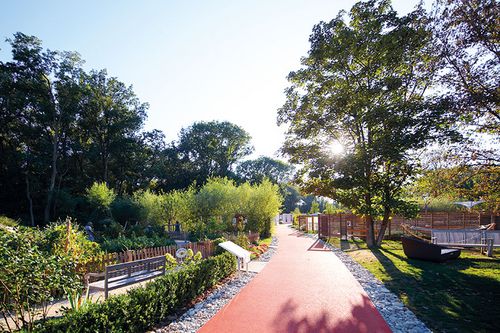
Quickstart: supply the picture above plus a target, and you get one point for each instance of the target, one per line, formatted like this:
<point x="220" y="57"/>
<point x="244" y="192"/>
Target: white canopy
<point x="469" y="204"/>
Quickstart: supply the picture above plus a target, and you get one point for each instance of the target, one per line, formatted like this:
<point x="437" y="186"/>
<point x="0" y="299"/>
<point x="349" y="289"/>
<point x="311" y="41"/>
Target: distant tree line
<point x="64" y="128"/>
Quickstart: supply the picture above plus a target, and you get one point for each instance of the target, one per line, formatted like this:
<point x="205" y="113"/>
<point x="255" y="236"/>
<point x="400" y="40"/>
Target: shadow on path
<point x="318" y="245"/>
<point x="361" y="320"/>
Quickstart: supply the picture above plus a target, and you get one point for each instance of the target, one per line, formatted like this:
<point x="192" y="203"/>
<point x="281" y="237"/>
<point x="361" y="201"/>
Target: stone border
<point x="396" y="314"/>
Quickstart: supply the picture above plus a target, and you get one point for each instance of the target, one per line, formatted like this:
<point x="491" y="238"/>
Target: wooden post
<point x="432" y="220"/>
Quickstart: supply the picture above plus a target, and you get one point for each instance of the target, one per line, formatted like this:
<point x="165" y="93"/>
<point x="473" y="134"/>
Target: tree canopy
<point x="366" y="84"/>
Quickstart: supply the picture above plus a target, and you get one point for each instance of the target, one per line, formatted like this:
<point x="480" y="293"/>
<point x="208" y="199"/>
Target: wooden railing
<point x="98" y="263"/>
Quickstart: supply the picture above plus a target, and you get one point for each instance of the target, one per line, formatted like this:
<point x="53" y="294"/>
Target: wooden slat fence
<point x="97" y="264"/>
<point x="347" y="225"/>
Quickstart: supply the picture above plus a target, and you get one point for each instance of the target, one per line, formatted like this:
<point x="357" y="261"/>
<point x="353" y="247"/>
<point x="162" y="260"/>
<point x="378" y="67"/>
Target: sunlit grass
<point x="456" y="296"/>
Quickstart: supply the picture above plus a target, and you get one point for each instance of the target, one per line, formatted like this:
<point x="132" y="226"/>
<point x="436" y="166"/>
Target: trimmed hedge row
<point x="142" y="308"/>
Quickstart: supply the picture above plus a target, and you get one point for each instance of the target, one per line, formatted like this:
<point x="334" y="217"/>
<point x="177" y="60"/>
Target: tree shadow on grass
<point x="363" y="319"/>
<point x="441" y="294"/>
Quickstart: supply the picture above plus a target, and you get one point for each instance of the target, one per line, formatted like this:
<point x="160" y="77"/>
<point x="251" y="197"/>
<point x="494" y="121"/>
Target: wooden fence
<point x="97" y="264"/>
<point x="345" y="225"/>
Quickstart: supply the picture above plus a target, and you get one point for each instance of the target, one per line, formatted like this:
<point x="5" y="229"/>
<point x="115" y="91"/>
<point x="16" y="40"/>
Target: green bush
<point x="134" y="243"/>
<point x="142" y="308"/>
<point x="66" y="238"/>
<point x="100" y="196"/>
<point x="125" y="210"/>
<point x="30" y="278"/>
<point x="7" y="221"/>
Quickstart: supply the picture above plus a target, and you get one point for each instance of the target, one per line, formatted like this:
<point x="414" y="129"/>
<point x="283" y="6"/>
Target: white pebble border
<point x="396" y="314"/>
<point x="203" y="311"/>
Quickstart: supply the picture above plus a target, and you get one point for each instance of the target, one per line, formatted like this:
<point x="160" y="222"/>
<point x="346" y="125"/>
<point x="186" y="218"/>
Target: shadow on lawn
<point x="442" y="295"/>
<point x="363" y="319"/>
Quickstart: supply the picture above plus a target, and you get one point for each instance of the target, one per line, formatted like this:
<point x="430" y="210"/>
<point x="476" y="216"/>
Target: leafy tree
<point x="254" y="171"/>
<point x="314" y="207"/>
<point x="111" y="120"/>
<point x="466" y="32"/>
<point x="211" y="149"/>
<point x="291" y="197"/>
<point x="461" y="183"/>
<point x="364" y="84"/>
<point x="39" y="107"/>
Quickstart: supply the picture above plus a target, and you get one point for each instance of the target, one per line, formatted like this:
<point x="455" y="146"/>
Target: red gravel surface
<point x="304" y="288"/>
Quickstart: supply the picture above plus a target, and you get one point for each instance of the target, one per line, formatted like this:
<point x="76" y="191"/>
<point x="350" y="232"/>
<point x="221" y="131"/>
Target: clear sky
<point x="190" y="60"/>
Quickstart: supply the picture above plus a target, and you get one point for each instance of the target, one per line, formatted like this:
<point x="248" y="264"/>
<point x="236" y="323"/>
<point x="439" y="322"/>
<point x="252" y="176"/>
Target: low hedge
<point x="142" y="308"/>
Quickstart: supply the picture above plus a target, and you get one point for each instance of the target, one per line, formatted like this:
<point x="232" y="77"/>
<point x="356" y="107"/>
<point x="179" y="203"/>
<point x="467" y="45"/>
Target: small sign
<point x="181" y="253"/>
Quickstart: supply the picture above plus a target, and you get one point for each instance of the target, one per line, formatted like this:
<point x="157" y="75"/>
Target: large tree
<point x="62" y="129"/>
<point x="254" y="171"/>
<point x="365" y="83"/>
<point x="467" y="34"/>
<point x="211" y="149"/>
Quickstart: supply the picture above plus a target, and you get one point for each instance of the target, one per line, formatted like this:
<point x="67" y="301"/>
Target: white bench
<point x="242" y="255"/>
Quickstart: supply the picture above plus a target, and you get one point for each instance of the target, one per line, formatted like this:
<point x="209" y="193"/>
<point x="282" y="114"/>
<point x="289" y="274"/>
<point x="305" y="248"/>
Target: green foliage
<point x="66" y="239"/>
<point x="8" y="222"/>
<point x="100" y="196"/>
<point x="171" y="262"/>
<point x="125" y="210"/>
<point x="460" y="183"/>
<point x="142" y="308"/>
<point x="314" y="207"/>
<point x="151" y="207"/>
<point x="179" y="207"/>
<point x="29" y="277"/>
<point x="363" y="84"/>
<point x="466" y="32"/>
<point x="123" y="243"/>
<point x="255" y="171"/>
<point x="77" y="301"/>
<point x="210" y="149"/>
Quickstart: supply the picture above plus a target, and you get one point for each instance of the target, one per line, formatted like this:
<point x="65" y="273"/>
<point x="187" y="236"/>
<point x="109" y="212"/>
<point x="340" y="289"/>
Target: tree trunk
<point x="55" y="143"/>
<point x="370" y="234"/>
<point x="52" y="183"/>
<point x="383" y="227"/>
<point x="30" y="201"/>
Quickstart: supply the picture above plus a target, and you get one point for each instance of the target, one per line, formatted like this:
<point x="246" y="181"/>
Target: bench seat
<point x="124" y="280"/>
<point x="124" y="274"/>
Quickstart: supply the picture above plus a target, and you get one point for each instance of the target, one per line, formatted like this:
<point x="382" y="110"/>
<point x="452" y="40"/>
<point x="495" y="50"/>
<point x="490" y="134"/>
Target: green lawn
<point x="457" y="296"/>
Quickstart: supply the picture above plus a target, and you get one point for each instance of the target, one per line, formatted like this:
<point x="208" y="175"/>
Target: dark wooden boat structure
<point x="415" y="248"/>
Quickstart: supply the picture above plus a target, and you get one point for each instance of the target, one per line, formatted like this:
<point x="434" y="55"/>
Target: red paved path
<point x="304" y="288"/>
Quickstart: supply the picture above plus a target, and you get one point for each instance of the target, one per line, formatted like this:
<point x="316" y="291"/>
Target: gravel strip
<point x="203" y="311"/>
<point x="396" y="314"/>
<point x="266" y="256"/>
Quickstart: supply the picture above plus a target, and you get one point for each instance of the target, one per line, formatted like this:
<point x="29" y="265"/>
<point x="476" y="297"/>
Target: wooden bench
<point x="121" y="275"/>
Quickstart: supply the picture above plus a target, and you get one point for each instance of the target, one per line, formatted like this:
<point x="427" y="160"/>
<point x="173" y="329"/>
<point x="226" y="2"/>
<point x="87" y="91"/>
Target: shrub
<point x="100" y="196"/>
<point x="4" y="220"/>
<point x="141" y="308"/>
<point x="152" y="207"/>
<point x="29" y="277"/>
<point x="125" y="211"/>
<point x="66" y="238"/>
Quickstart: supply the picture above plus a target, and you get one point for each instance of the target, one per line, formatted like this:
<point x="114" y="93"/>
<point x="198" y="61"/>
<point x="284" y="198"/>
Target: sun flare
<point x="335" y="148"/>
